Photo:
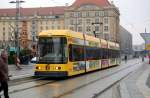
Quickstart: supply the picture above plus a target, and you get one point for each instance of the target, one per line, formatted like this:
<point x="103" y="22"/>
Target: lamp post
<point x="100" y="23"/>
<point x="17" y="2"/>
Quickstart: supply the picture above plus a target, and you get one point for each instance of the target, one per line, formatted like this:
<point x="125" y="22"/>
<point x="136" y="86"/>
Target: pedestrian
<point x="125" y="58"/>
<point x="4" y="73"/>
<point x="142" y="58"/>
<point x="149" y="58"/>
<point x="17" y="63"/>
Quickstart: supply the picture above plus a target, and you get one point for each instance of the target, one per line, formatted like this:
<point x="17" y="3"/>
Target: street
<point x="92" y="85"/>
<point x="74" y="49"/>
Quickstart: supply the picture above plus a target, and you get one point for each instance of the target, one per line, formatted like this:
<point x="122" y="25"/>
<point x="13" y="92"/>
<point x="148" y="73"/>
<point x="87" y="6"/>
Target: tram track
<point x="34" y="83"/>
<point x="95" y="95"/>
<point x="42" y="82"/>
<point x="22" y="80"/>
<point x="18" y="85"/>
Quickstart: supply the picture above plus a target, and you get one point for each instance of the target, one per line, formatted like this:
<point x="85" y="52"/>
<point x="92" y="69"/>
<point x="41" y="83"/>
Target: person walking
<point x="4" y="73"/>
<point x="143" y="58"/>
<point x="17" y="62"/>
<point x="149" y="58"/>
<point x="125" y="58"/>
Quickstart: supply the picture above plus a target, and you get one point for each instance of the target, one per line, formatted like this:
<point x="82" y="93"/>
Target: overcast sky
<point x="135" y="15"/>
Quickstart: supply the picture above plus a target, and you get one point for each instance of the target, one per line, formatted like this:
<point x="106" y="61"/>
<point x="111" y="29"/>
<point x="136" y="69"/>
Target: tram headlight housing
<point x="58" y="68"/>
<point x="38" y="68"/>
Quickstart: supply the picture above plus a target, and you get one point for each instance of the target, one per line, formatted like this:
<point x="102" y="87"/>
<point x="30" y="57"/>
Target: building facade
<point x="139" y="50"/>
<point x="125" y="42"/>
<point x="98" y="18"/>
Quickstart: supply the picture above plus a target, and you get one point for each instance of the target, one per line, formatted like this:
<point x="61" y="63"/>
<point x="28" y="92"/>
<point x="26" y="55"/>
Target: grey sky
<point x="134" y="17"/>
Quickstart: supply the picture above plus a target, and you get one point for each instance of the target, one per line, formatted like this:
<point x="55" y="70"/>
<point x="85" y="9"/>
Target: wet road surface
<point x="84" y="86"/>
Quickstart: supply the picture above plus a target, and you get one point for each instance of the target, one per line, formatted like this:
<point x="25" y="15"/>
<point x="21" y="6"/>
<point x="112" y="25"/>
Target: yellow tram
<point x="64" y="53"/>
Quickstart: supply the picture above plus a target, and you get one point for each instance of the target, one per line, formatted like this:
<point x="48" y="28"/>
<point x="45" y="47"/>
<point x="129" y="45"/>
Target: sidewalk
<point x="136" y="84"/>
<point x="26" y="71"/>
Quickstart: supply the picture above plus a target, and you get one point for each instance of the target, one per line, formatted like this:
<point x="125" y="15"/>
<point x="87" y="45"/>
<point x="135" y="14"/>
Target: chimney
<point x="66" y="4"/>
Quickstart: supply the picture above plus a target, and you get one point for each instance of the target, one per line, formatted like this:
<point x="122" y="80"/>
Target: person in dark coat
<point x="4" y="73"/>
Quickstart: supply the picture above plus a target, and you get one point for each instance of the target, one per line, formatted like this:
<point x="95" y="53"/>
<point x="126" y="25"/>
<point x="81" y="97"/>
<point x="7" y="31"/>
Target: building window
<point x="33" y="28"/>
<point x="88" y="21"/>
<point x="24" y="33"/>
<point x="46" y="22"/>
<point x="101" y="13"/>
<point x="41" y="22"/>
<point x="87" y="14"/>
<point x="72" y="28"/>
<point x="80" y="29"/>
<point x="105" y="28"/>
<point x="41" y="28"/>
<point x="3" y="28"/>
<point x="33" y="38"/>
<point x="3" y="36"/>
<point x="33" y="22"/>
<point x="106" y="13"/>
<point x="58" y="27"/>
<point x="79" y="14"/>
<point x="53" y="27"/>
<point x="96" y="13"/>
<point x="106" y="36"/>
<point x="96" y="28"/>
<point x="97" y="20"/>
<point x="71" y="22"/>
<point x="79" y="21"/>
<point x="88" y="28"/>
<point x="105" y="20"/>
<point x="46" y="27"/>
<point x="72" y="14"/>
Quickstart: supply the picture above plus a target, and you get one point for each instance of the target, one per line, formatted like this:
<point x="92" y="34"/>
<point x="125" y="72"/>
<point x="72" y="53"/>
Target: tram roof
<point x="117" y="46"/>
<point x="73" y="34"/>
<point x="111" y="45"/>
<point x="69" y="33"/>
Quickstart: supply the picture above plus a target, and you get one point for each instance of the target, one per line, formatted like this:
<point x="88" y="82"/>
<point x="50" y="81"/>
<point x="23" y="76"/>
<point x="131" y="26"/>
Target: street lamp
<point x="100" y="23"/>
<point x="17" y="2"/>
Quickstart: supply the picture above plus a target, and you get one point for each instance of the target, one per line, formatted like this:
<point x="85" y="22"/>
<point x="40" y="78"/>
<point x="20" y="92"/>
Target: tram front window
<point x="52" y="50"/>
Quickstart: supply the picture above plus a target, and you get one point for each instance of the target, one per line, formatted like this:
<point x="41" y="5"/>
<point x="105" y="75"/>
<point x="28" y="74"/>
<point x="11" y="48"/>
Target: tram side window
<point x="92" y="53"/>
<point x="105" y="53"/>
<point x="113" y="53"/>
<point x="76" y="53"/>
<point x="100" y="53"/>
<point x="110" y="53"/>
<point x="117" y="53"/>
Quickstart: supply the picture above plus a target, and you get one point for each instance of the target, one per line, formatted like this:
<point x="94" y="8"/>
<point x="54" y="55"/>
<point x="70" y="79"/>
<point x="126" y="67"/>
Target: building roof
<point x="32" y="11"/>
<point x="102" y="3"/>
<point x="51" y="10"/>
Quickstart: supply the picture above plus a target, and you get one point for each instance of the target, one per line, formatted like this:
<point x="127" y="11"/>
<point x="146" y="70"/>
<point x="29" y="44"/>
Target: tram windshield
<point x="52" y="50"/>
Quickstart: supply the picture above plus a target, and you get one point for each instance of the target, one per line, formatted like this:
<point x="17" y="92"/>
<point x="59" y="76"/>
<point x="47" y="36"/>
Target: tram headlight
<point x="38" y="67"/>
<point x="57" y="68"/>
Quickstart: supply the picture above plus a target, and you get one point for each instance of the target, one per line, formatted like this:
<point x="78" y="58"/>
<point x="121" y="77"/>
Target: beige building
<point x="88" y="16"/>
